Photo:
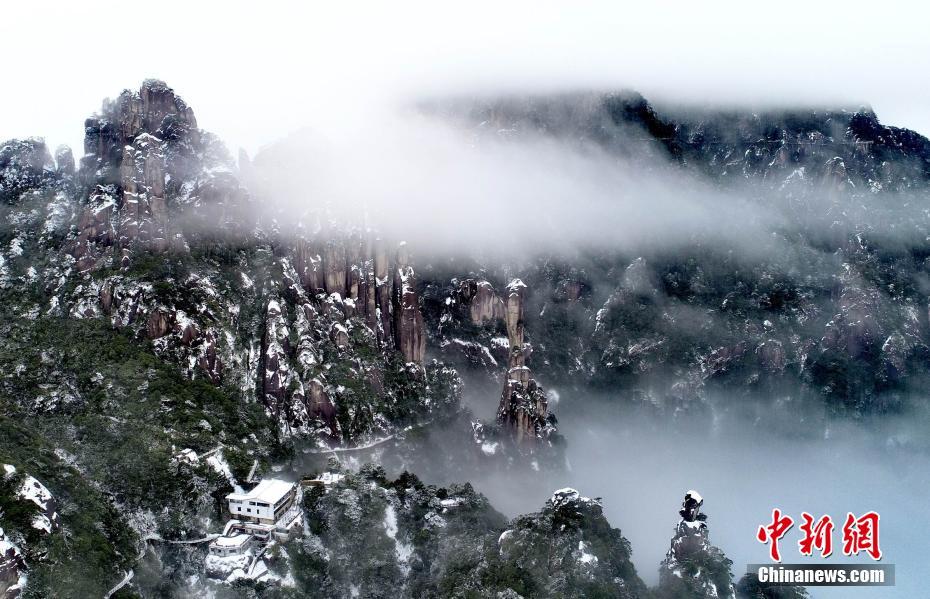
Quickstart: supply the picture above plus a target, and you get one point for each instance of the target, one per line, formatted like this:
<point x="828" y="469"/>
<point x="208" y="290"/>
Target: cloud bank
<point x="254" y="72"/>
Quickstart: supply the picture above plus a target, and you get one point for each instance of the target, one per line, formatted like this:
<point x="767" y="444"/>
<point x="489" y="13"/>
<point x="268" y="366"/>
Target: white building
<point x="265" y="504"/>
<point x="232" y="545"/>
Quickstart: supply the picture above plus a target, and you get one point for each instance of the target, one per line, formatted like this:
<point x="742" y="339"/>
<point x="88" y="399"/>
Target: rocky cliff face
<point x="524" y="409"/>
<point x="484" y="304"/>
<point x="125" y="166"/>
<point x="339" y="303"/>
<point x="12" y="569"/>
<point x="24" y="165"/>
<point x="409" y="336"/>
<point x="378" y="289"/>
<point x="152" y="179"/>
<point x="307" y="329"/>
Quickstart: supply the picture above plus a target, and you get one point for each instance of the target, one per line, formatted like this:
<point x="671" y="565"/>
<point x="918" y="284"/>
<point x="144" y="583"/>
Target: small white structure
<point x="324" y="480"/>
<point x="265" y="504"/>
<point x="187" y="456"/>
<point x="232" y="545"/>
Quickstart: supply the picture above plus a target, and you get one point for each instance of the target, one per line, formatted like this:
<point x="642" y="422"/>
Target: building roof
<point x="233" y="541"/>
<point x="270" y="490"/>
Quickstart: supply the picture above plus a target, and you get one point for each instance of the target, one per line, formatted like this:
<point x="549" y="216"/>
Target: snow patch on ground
<point x="34" y="491"/>
<point x="10" y="555"/>
<point x="219" y="463"/>
<point x="401" y="549"/>
<point x="585" y="557"/>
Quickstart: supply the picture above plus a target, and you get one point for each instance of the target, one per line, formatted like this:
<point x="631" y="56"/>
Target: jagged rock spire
<point x="524" y="408"/>
<point x="125" y="167"/>
<point x="484" y="305"/>
<point x="152" y="181"/>
<point x="377" y="287"/>
<point x="64" y="160"/>
<point x="692" y="566"/>
<point x="513" y="315"/>
<point x="409" y="334"/>
<point x="154" y="109"/>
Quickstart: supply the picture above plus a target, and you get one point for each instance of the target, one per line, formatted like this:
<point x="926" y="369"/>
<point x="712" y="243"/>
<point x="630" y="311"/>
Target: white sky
<point x="256" y="71"/>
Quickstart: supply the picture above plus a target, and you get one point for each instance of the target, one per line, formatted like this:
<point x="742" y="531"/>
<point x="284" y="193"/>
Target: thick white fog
<point x="642" y="469"/>
<point x="442" y="189"/>
<point x="254" y="72"/>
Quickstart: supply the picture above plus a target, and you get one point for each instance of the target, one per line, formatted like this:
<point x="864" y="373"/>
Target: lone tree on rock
<point x="693" y="568"/>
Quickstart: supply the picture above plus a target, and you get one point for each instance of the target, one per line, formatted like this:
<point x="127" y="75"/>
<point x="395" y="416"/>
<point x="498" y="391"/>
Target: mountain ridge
<point x="151" y="305"/>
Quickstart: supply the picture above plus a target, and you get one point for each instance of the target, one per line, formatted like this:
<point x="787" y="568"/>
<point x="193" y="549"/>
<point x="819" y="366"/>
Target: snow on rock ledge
<point x="32" y="490"/>
<point x="12" y="568"/>
<point x="567" y="497"/>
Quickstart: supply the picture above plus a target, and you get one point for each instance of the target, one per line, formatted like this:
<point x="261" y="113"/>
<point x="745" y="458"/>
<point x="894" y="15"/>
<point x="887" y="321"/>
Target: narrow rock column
<point x="513" y="316"/>
<point x="409" y="333"/>
<point x="382" y="294"/>
<point x="690" y="545"/>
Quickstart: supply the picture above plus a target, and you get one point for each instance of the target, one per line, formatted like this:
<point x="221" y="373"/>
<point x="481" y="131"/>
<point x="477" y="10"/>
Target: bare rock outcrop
<point x="857" y="327"/>
<point x="24" y="164"/>
<point x="209" y="360"/>
<point x="126" y="167"/>
<point x="64" y="160"/>
<point x="409" y="333"/>
<point x="513" y="315"/>
<point x="690" y="545"/>
<point x="372" y="285"/>
<point x="143" y="214"/>
<point x="484" y="303"/>
<point x="382" y="292"/>
<point x="158" y="325"/>
<point x="524" y="409"/>
<point x="334" y="267"/>
<point x="12" y="568"/>
<point x="276" y="373"/>
<point x="321" y="409"/>
<point x="309" y="264"/>
<point x="771" y="354"/>
<point x="339" y="335"/>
